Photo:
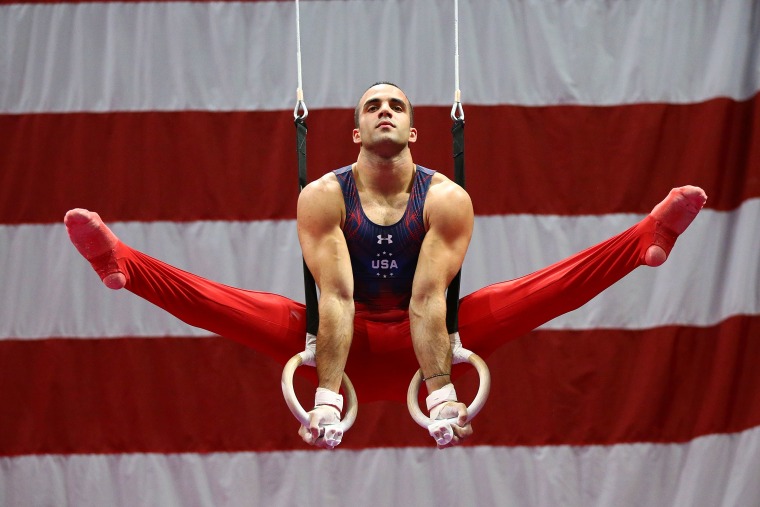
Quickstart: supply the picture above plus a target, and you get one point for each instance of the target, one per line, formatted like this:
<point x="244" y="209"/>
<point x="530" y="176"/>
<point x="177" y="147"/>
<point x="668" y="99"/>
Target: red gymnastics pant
<point x="381" y="351"/>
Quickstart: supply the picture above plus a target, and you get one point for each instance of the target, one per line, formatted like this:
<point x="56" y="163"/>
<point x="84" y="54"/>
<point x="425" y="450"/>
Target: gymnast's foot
<point x="96" y="243"/>
<point x="673" y="216"/>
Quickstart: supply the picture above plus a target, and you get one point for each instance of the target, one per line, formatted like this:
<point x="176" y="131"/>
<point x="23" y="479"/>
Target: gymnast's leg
<point x="505" y="311"/>
<point x="268" y="323"/>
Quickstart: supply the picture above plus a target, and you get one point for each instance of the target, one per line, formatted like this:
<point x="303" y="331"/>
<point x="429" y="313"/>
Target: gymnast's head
<point x="358" y="108"/>
<point x="384" y="114"/>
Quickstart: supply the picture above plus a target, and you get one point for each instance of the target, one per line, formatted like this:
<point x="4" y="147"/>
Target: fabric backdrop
<point x="173" y="120"/>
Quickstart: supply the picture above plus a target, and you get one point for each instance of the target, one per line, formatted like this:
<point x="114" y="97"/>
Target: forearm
<point x="427" y="317"/>
<point x="336" y="327"/>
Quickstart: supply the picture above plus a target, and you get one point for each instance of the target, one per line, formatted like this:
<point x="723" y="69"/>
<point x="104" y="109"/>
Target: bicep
<point x="445" y="244"/>
<point x="323" y="244"/>
<point x="328" y="260"/>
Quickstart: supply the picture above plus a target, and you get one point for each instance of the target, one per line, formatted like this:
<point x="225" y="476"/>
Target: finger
<point x="462" y="418"/>
<point x="325" y="443"/>
<point x="306" y="435"/>
<point x="463" y="432"/>
<point x="314" y="426"/>
<point x="333" y="436"/>
<point x="454" y="441"/>
<point x="442" y="434"/>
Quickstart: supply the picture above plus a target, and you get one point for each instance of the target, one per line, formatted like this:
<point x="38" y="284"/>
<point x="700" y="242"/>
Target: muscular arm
<point x="320" y="212"/>
<point x="449" y="215"/>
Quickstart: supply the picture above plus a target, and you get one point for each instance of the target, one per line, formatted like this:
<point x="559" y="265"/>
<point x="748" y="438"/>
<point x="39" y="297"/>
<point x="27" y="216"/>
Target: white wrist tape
<point x="328" y="409"/>
<point x="442" y="395"/>
<point x="309" y="354"/>
<point x="327" y="397"/>
<point x="459" y="354"/>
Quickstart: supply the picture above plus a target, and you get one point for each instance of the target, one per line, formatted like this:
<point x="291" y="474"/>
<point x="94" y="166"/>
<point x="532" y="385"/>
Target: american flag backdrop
<point x="174" y="121"/>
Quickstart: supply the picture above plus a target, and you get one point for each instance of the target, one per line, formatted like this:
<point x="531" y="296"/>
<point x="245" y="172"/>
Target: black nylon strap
<point x="310" y="286"/>
<point x="457" y="134"/>
<point x="452" y="294"/>
<point x="301" y="131"/>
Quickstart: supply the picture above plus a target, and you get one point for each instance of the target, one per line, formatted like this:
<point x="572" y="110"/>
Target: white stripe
<point x="258" y="255"/>
<point x="711" y="274"/>
<point x="48" y="290"/>
<point x="709" y="471"/>
<point x="138" y="56"/>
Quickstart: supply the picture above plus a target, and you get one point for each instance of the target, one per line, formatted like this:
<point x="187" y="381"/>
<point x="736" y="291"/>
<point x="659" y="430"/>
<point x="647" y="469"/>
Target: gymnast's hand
<point x="316" y="434"/>
<point x="456" y="414"/>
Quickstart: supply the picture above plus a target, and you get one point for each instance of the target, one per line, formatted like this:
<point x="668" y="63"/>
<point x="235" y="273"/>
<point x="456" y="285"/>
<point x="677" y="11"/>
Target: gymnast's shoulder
<point x="321" y="198"/>
<point x="446" y="194"/>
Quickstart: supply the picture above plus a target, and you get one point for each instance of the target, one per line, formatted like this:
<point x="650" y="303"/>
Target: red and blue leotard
<point x="384" y="257"/>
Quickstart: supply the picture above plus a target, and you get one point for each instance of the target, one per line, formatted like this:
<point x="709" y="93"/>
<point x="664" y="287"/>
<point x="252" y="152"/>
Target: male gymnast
<point x="383" y="238"/>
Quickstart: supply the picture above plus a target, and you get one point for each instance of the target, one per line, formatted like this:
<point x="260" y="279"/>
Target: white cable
<point x="300" y="104"/>
<point x="456" y="48"/>
<point x="456" y="110"/>
<point x="298" y="50"/>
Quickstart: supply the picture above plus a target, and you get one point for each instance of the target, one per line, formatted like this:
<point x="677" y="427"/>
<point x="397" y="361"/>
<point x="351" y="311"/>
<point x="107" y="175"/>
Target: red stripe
<point x="242" y="166"/>
<point x="668" y="384"/>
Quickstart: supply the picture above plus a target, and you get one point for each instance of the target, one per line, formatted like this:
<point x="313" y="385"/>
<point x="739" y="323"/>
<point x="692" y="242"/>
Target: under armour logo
<point x="380" y="239"/>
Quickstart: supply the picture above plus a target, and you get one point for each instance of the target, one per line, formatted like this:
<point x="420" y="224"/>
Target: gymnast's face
<point x="384" y="120"/>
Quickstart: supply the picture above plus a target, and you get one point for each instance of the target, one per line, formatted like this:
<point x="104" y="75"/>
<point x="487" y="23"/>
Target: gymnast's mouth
<point x="385" y="124"/>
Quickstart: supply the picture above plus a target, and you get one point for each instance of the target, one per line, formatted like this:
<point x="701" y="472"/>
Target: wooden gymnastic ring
<point x="475" y="407"/>
<point x="298" y="411"/>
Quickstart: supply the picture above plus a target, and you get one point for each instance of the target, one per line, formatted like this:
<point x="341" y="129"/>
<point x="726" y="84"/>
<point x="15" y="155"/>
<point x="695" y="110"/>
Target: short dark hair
<point x="359" y="104"/>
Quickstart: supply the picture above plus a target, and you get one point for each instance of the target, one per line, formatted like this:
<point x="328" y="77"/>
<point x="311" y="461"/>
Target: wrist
<point x="440" y="396"/>
<point x="325" y="396"/>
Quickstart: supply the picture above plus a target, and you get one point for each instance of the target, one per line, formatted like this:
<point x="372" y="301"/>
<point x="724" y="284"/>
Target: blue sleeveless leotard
<point x="384" y="257"/>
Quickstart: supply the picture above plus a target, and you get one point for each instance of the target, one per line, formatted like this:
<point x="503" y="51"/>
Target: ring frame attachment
<point x="457" y="112"/>
<point x="332" y="433"/>
<point x="300" y="111"/>
<point x="441" y="429"/>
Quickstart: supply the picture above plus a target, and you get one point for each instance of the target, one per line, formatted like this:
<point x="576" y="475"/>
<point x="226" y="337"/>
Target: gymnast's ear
<point x="356" y="136"/>
<point x="412" y="134"/>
